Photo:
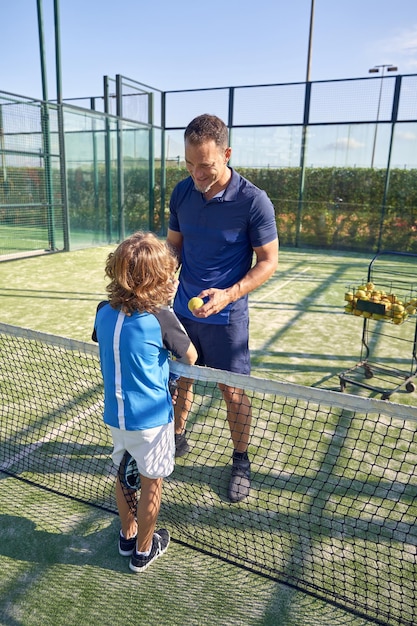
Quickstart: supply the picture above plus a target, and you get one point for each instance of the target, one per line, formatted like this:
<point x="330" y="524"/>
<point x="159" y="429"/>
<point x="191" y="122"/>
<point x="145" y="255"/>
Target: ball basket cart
<point x="386" y="303"/>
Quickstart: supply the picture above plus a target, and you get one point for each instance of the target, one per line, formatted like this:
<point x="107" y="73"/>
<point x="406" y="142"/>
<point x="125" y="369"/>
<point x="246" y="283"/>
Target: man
<point x="218" y="221"/>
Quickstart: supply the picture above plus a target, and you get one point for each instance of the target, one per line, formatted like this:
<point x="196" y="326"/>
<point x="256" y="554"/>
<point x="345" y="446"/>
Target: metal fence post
<point x="120" y="168"/>
<point x="302" y="163"/>
<point x="394" y="117"/>
<point x="107" y="159"/>
<point x="163" y="164"/>
<point x="151" y="191"/>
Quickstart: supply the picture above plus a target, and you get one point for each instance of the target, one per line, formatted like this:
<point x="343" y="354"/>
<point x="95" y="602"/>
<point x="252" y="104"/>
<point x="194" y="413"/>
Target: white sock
<point x="147" y="553"/>
<point x="123" y="537"/>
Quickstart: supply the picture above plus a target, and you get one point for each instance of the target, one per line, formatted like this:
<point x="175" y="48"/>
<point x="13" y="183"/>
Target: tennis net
<point x="333" y="505"/>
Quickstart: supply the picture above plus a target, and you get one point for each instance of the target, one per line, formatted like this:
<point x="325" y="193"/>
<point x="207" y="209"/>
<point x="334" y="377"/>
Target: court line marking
<point x="50" y="436"/>
<point x="281" y="285"/>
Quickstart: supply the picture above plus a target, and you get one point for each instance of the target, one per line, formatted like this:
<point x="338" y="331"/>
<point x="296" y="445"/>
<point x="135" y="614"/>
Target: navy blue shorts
<point x="224" y="347"/>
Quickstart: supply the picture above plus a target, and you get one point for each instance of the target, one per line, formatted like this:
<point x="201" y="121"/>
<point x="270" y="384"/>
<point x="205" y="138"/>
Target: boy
<point x="136" y="332"/>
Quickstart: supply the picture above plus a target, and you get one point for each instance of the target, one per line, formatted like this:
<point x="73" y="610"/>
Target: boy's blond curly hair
<point x="141" y="271"/>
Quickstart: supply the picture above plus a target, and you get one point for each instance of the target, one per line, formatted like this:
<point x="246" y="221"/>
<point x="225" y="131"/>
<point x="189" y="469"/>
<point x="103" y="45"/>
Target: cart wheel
<point x="368" y="373"/>
<point x="385" y="396"/>
<point x="410" y="387"/>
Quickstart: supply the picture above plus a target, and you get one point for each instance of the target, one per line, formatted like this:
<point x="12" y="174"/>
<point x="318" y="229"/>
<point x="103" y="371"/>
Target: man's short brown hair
<point x="206" y="128"/>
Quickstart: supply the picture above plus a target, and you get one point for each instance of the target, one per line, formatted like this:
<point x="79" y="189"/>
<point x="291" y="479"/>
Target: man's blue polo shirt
<point x="218" y="240"/>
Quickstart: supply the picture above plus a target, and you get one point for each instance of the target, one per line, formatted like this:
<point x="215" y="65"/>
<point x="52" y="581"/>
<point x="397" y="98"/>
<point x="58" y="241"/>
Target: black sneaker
<point x="239" y="485"/>
<point x="126" y="546"/>
<point x="160" y="543"/>
<point x="181" y="445"/>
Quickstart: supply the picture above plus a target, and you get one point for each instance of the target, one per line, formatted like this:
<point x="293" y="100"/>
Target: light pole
<point x="310" y="41"/>
<point x="375" y="70"/>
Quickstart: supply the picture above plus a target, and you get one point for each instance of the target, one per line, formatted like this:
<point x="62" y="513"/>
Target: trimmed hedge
<point x="341" y="208"/>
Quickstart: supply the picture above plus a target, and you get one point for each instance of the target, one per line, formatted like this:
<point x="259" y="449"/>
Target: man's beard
<point x="202" y="189"/>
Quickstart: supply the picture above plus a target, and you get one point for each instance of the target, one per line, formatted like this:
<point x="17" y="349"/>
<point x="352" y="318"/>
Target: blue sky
<point x="186" y="44"/>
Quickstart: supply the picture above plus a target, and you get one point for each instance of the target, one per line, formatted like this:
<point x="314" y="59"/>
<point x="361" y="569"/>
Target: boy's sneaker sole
<point x="160" y="543"/>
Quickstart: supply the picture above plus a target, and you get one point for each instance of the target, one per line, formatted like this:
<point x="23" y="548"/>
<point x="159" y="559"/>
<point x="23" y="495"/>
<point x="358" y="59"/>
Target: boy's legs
<point x="153" y="451"/>
<point x="127" y="513"/>
<point x="147" y="511"/>
<point x="148" y="507"/>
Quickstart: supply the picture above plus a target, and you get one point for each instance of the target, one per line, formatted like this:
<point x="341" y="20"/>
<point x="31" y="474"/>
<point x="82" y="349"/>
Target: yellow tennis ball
<point x="195" y="303"/>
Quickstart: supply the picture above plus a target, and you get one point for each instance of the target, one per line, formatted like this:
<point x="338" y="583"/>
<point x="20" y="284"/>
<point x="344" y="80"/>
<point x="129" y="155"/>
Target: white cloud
<point x="345" y="142"/>
<point x="406" y="135"/>
<point x="402" y="48"/>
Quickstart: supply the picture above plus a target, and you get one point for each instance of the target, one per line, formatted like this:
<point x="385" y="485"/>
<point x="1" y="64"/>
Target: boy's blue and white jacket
<point x="134" y="360"/>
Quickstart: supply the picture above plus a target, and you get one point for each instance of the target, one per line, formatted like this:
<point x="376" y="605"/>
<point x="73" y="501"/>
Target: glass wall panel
<point x="404" y="146"/>
<point x="91" y="164"/>
<point x="30" y="180"/>
<point x="174" y="161"/>
<point x="329" y="180"/>
<point x="348" y="145"/>
<point x="342" y="193"/>
<point x="400" y="210"/>
<point x="136" y="174"/>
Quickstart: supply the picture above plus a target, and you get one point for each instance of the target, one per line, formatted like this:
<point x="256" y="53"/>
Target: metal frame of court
<point x="130" y="112"/>
<point x="383" y="102"/>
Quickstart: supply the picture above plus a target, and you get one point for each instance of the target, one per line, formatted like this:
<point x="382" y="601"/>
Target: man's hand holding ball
<point x="195" y="303"/>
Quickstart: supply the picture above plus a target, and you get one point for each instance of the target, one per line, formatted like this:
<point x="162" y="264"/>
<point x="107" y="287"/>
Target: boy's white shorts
<point x="153" y="449"/>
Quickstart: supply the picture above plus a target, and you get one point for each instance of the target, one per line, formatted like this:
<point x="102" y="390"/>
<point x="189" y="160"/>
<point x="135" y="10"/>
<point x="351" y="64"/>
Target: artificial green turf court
<point x="67" y="549"/>
<point x="299" y="331"/>
<point x="59" y="566"/>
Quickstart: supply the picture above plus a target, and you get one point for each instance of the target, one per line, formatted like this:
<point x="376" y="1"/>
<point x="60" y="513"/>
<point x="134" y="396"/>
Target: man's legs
<point x="225" y="348"/>
<point x="239" y="415"/>
<point x="181" y="410"/>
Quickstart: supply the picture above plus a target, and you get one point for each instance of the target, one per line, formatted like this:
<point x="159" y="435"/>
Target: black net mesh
<point x="333" y="504"/>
